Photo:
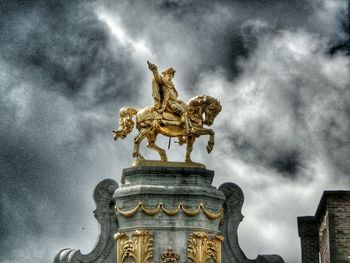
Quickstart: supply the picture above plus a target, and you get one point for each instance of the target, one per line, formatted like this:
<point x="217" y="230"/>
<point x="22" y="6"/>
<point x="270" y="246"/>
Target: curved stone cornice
<point x="232" y="253"/>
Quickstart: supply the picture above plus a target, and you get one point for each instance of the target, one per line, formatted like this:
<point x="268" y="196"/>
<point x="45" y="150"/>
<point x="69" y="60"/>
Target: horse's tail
<point x="126" y="124"/>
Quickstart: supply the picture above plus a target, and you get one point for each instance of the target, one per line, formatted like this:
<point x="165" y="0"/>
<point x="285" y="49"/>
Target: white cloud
<point x="140" y="49"/>
<point x="288" y="90"/>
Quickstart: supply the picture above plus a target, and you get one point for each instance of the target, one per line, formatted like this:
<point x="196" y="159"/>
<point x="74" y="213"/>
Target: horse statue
<point x="201" y="110"/>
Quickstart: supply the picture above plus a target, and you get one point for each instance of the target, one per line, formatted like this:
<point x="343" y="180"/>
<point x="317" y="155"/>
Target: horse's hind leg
<point x="137" y="141"/>
<point x="152" y="145"/>
<point x="190" y="142"/>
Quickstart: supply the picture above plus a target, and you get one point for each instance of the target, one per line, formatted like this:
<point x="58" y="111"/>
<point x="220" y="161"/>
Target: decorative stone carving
<point x="139" y="247"/>
<point x="170" y="256"/>
<point x="232" y="253"/>
<point x="104" y="214"/>
<point x="171" y="203"/>
<point x="171" y="212"/>
<point x="172" y="223"/>
<point x="202" y="248"/>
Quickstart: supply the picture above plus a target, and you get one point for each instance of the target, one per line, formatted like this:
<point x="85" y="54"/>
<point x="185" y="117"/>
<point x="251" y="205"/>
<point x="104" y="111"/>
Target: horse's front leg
<point x="204" y="131"/>
<point x="189" y="148"/>
<point x="211" y="142"/>
<point x="136" y="152"/>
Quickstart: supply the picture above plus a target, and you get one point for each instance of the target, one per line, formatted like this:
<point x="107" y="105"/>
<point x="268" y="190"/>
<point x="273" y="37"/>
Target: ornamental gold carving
<point x="169" y="116"/>
<point x="201" y="247"/>
<point x="171" y="212"/>
<point x="170" y="256"/>
<point x="139" y="246"/>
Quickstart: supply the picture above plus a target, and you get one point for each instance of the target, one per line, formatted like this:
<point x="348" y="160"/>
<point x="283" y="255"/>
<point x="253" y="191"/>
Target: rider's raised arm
<point x="157" y="77"/>
<point x="154" y="69"/>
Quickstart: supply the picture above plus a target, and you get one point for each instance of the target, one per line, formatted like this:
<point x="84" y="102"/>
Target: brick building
<point x="325" y="237"/>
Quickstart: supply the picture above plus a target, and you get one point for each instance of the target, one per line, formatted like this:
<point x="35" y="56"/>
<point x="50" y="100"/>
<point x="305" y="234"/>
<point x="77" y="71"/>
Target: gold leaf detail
<point x="190" y="212"/>
<point x="139" y="246"/>
<point x="131" y="212"/>
<point x="153" y="211"/>
<point x="171" y="212"/>
<point x="212" y="215"/>
<point x="201" y="248"/>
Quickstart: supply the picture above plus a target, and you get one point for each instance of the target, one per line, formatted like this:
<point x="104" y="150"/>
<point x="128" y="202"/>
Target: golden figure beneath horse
<point x="170" y="117"/>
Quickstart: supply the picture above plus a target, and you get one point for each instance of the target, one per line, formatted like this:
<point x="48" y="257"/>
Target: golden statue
<point x="169" y="116"/>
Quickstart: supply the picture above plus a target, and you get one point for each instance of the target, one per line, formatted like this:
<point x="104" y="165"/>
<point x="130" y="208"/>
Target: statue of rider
<point x="165" y="95"/>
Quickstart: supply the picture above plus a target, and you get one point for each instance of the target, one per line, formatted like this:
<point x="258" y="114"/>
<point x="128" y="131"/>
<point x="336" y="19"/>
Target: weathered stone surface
<point x="104" y="251"/>
<point x="158" y="175"/>
<point x="338" y="208"/>
<point x="325" y="236"/>
<point x="309" y="239"/>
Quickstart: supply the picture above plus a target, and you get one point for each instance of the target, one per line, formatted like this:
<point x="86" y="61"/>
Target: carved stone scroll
<point x="103" y="213"/>
<point x="232" y="253"/>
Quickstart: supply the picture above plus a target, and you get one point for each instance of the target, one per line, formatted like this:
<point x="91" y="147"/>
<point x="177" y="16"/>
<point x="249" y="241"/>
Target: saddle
<point x="170" y="116"/>
<point x="175" y="119"/>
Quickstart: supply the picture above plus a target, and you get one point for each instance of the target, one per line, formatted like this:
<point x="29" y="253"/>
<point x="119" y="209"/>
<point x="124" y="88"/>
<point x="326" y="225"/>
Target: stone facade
<point x="336" y="210"/>
<point x="167" y="214"/>
<point x="326" y="236"/>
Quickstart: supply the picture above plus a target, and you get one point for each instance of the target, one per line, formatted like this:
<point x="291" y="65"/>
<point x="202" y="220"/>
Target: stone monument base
<point x="148" y="163"/>
<point x="166" y="214"/>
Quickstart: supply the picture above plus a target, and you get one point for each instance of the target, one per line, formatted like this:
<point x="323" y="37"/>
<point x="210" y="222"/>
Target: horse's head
<point x="211" y="110"/>
<point x="205" y="107"/>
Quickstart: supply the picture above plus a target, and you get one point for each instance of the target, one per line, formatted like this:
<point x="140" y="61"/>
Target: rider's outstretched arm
<point x="154" y="69"/>
<point x="157" y="77"/>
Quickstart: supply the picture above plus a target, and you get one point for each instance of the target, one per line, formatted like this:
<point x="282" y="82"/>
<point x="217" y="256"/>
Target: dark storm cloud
<point x="211" y="29"/>
<point x="303" y="116"/>
<point x="289" y="85"/>
<point x="343" y="43"/>
<point x="285" y="133"/>
<point x="49" y="49"/>
<point x="285" y="160"/>
<point x="65" y="71"/>
<point x="63" y="44"/>
<point x="57" y="62"/>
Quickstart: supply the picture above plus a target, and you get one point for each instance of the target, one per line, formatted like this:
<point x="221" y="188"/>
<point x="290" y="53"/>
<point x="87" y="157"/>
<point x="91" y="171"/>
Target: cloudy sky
<point x="281" y="70"/>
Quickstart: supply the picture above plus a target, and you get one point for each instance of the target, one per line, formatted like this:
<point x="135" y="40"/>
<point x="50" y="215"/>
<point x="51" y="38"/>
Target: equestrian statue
<point x="169" y="116"/>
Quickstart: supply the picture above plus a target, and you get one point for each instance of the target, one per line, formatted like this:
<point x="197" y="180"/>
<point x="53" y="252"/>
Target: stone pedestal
<point x="171" y="204"/>
<point x="166" y="214"/>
